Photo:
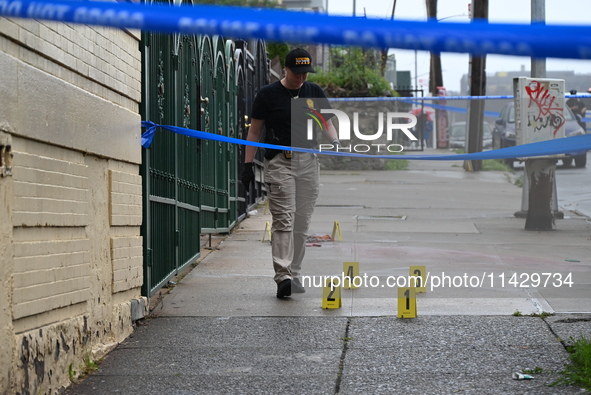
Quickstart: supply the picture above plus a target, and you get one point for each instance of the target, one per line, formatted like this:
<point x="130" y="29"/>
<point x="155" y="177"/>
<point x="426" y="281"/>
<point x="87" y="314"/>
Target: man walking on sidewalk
<point x="292" y="178"/>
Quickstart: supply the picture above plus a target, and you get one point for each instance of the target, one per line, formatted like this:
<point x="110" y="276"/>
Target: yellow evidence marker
<point x="331" y="294"/>
<point x="336" y="231"/>
<point x="350" y="274"/>
<point x="418" y="278"/>
<point x="407" y="302"/>
<point x="266" y="209"/>
<point x="267" y="231"/>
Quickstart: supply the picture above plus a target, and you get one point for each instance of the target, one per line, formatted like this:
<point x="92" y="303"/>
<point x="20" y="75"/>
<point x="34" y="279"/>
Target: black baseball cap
<point x="299" y="61"/>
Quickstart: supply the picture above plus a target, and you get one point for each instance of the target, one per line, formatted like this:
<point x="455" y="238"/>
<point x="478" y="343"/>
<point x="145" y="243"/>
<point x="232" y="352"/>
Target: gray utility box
<point x="539" y="110"/>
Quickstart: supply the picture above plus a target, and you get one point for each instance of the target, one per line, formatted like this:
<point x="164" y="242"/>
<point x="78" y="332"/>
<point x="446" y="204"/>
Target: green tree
<point x="354" y="73"/>
<point x="278" y="49"/>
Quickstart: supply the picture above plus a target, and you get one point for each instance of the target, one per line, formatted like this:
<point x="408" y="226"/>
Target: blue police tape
<point x="478" y="38"/>
<point x="422" y="100"/>
<point x="426" y="98"/>
<point x="544" y="148"/>
<point x="436" y="98"/>
<point x="492" y="114"/>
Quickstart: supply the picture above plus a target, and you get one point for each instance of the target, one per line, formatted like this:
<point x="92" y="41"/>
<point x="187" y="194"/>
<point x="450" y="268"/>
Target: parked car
<point x="504" y="134"/>
<point x="458" y="132"/>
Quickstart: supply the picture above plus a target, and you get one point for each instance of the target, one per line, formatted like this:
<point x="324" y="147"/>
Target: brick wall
<point x="51" y="211"/>
<point x="72" y="268"/>
<point x="94" y="58"/>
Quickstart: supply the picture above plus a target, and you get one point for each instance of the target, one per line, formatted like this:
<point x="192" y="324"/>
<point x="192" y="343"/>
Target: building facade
<point x="70" y="243"/>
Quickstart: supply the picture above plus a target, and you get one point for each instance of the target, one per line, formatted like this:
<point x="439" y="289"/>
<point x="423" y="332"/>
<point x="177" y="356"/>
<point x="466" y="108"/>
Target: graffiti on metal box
<point x="549" y="112"/>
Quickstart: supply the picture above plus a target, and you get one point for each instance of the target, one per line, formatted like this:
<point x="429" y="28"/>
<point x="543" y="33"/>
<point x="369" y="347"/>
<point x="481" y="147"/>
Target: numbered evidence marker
<point x="336" y="231"/>
<point x="407" y="302"/>
<point x="350" y="273"/>
<point x="331" y="294"/>
<point x="418" y="278"/>
<point x="267" y="231"/>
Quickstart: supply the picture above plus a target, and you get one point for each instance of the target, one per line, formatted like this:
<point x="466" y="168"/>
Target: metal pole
<point x="538" y="16"/>
<point x="538" y="70"/>
<point x="477" y="88"/>
<point x="416" y="83"/>
<point x="539" y="187"/>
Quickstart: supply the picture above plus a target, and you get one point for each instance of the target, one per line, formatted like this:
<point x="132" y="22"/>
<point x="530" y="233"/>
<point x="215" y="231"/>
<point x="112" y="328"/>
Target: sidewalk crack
<point x="346" y="340"/>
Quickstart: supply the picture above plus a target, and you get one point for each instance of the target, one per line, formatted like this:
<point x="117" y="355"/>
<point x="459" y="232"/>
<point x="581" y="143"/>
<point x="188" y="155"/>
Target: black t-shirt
<point x="273" y="105"/>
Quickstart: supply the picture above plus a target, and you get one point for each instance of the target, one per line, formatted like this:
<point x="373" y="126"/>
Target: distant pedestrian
<point x="426" y="123"/>
<point x="578" y="107"/>
<point x="291" y="178"/>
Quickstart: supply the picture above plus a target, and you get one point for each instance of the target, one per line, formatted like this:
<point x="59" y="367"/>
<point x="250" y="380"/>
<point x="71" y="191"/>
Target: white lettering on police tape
<point x="231" y="28"/>
<point x="109" y="17"/>
<point x="10" y="8"/>
<point x="47" y="11"/>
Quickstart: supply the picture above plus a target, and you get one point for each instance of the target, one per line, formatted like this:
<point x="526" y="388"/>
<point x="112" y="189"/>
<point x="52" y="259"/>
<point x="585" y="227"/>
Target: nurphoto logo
<point x="364" y="127"/>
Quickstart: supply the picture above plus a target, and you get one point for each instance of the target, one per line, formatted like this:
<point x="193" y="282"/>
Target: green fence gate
<point x="190" y="185"/>
<point x="215" y="159"/>
<point x="171" y="166"/>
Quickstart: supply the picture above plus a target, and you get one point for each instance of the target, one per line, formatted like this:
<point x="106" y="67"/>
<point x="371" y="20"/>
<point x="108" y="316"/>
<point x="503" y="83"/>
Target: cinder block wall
<point x="70" y="244"/>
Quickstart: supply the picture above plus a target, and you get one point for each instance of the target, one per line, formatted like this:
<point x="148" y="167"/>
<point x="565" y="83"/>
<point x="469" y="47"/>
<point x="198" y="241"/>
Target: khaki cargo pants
<point x="292" y="189"/>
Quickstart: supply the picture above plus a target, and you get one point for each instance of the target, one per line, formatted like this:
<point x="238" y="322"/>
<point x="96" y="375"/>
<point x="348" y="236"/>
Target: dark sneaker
<point x="284" y="288"/>
<point x="297" y="287"/>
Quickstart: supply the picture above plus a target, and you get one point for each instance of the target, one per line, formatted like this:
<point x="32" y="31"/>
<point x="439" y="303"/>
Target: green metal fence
<point x="232" y="121"/>
<point x="171" y="169"/>
<point x="191" y="186"/>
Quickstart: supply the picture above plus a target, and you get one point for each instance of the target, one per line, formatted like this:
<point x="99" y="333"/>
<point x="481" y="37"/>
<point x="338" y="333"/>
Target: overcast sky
<point x="455" y="65"/>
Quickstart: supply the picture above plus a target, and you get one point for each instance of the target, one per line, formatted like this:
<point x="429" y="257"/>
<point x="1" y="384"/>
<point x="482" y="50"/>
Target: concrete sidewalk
<point x="221" y="329"/>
